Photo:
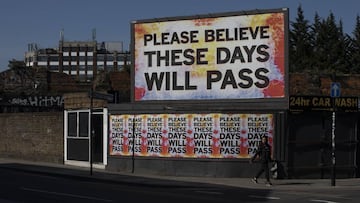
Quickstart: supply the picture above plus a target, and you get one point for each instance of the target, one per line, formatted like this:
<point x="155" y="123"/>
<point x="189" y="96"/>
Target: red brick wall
<point x="120" y="81"/>
<point x="307" y="84"/>
<point x="81" y="100"/>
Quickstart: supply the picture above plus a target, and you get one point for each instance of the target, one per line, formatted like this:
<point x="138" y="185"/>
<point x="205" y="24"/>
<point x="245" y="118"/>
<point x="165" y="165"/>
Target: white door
<point x="77" y="148"/>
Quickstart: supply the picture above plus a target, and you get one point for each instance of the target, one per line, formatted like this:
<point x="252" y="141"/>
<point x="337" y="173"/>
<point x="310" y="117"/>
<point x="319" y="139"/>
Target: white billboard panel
<point x="222" y="57"/>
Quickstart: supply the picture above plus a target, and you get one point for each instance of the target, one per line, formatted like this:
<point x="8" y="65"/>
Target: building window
<point x="66" y="49"/>
<point x="83" y="124"/>
<point x="54" y="58"/>
<point x="42" y="58"/>
<point x="83" y="49"/>
<point x="66" y="58"/>
<point x="72" y="122"/>
<point x="110" y="58"/>
<point x="66" y="67"/>
<point x="100" y="57"/>
<point x="74" y="58"/>
<point x="78" y="124"/>
<point x="120" y="58"/>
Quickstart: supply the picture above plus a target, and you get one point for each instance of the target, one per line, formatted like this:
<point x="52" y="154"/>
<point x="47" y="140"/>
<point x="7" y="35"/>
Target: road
<point x="24" y="186"/>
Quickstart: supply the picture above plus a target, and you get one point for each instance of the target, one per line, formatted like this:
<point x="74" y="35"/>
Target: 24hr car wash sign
<point x="230" y="56"/>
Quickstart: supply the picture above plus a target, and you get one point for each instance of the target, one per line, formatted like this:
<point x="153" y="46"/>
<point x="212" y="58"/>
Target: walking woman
<point x="264" y="154"/>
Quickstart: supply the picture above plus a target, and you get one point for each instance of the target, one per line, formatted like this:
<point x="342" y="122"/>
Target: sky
<point x="41" y="21"/>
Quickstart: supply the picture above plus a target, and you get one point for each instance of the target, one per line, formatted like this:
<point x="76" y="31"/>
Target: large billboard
<point x="213" y="135"/>
<point x="221" y="56"/>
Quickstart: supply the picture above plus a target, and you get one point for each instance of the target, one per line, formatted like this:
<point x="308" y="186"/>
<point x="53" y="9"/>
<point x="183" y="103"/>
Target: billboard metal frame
<point x="246" y="103"/>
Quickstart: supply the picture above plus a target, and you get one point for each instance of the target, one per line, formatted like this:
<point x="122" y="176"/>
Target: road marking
<point x="320" y="200"/>
<point x="264" y="197"/>
<point x="66" y="194"/>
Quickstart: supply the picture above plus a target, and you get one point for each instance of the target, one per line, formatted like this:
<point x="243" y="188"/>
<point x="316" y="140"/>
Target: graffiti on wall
<point x="37" y="101"/>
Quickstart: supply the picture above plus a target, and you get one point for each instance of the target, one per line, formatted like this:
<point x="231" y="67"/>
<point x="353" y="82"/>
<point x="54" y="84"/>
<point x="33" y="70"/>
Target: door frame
<point x="104" y="112"/>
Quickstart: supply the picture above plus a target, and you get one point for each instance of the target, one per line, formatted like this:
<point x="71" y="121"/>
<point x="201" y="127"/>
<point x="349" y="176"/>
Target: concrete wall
<point x="36" y="136"/>
<point x="183" y="166"/>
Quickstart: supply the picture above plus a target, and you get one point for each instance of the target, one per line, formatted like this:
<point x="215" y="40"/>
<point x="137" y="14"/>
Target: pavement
<point x="83" y="173"/>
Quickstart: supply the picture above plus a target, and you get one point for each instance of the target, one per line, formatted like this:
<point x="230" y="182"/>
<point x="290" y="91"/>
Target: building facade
<point x="80" y="59"/>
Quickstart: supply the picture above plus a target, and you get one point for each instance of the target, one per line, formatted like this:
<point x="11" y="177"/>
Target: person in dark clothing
<point x="264" y="154"/>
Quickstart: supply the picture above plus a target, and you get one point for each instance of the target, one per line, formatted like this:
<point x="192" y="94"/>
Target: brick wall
<point x="81" y="100"/>
<point x="120" y="80"/>
<point x="36" y="136"/>
<point x="307" y="84"/>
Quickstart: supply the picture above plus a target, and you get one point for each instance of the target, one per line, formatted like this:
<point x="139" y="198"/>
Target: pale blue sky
<point x="40" y="21"/>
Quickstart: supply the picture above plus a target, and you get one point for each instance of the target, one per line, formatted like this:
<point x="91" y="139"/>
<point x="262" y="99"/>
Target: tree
<point x="314" y="41"/>
<point x="342" y="65"/>
<point x="329" y="45"/>
<point x="300" y="43"/>
<point x="354" y="49"/>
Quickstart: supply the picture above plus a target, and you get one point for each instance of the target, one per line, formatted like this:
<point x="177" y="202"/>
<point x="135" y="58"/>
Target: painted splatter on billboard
<point x="229" y="56"/>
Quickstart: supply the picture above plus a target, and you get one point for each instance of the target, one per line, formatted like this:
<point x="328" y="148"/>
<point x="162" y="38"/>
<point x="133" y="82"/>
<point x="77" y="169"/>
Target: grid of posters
<point x="213" y="135"/>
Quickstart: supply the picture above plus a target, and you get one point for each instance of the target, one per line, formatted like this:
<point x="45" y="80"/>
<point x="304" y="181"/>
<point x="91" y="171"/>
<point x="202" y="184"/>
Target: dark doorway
<point x="98" y="138"/>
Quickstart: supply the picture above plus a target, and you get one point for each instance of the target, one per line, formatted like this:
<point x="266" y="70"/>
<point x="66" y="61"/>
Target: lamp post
<point x="333" y="171"/>
<point x="334" y="92"/>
